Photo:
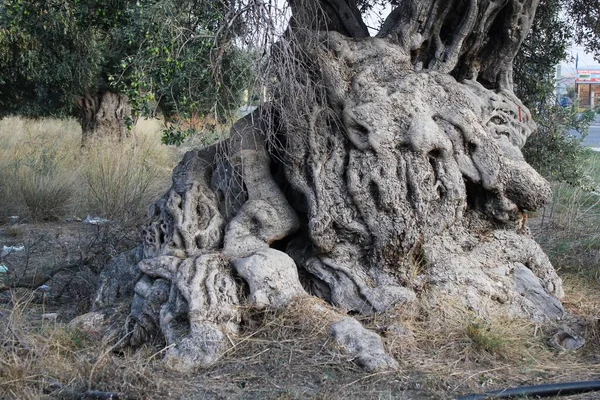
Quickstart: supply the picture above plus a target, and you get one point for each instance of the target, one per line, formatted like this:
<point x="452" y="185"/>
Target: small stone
<point x="44" y="289"/>
<point x="566" y="339"/>
<point x="365" y="346"/>
<point x="50" y="316"/>
<point x="95" y="220"/>
<point x="397" y="329"/>
<point x="52" y="387"/>
<point x="94" y="323"/>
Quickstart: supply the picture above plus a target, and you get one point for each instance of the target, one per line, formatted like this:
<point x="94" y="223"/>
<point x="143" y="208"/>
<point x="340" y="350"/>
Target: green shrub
<point x="553" y="151"/>
<point x="484" y="338"/>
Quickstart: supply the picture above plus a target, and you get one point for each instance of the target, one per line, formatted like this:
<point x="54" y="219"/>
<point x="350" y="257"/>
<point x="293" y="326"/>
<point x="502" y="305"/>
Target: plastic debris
<point x="3" y="269"/>
<point x="44" y="289"/>
<point x="6" y="250"/>
<point x="95" y="220"/>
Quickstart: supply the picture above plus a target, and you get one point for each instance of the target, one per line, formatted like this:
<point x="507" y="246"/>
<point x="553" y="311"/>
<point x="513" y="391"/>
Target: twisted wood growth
<point x="386" y="172"/>
<point x="476" y="39"/>
<point x="103" y="115"/>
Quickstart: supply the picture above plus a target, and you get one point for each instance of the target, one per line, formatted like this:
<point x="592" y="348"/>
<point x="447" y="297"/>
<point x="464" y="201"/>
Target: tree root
<point x="372" y="202"/>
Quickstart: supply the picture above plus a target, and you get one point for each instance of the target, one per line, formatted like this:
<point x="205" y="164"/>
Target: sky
<point x="585" y="60"/>
<point x="374" y="19"/>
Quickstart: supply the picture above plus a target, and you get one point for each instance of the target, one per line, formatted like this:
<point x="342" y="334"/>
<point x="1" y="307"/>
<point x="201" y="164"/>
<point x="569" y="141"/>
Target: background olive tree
<point x="99" y="59"/>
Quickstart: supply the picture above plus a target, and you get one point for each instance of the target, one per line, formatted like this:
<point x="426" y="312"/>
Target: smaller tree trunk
<point x="104" y="114"/>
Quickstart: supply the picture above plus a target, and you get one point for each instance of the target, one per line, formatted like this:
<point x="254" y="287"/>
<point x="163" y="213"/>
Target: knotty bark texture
<point x="103" y="115"/>
<point x="386" y="173"/>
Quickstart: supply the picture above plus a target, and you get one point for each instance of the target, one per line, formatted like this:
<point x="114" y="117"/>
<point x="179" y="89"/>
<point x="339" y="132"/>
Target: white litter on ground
<point x="6" y="250"/>
<point x="3" y="269"/>
<point x="50" y="316"/>
<point x="95" y="220"/>
<point x="44" y="288"/>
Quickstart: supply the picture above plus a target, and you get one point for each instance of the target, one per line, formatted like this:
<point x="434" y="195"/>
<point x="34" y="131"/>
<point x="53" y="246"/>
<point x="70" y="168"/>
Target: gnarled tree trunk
<point x="386" y="172"/>
<point x="104" y="115"/>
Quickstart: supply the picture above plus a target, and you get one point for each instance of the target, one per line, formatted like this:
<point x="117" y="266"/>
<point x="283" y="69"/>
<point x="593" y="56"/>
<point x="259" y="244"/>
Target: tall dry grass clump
<point x="45" y="176"/>
<point x="38" y="167"/>
<point x="122" y="179"/>
<point x="45" y="184"/>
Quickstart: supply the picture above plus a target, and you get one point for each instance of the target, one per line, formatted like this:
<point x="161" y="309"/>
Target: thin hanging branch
<point x="341" y="16"/>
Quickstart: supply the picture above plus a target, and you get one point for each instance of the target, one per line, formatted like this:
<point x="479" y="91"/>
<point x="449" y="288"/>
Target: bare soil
<point x="278" y="355"/>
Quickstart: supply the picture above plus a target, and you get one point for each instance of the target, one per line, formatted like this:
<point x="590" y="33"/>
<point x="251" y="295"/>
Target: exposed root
<point x="374" y="201"/>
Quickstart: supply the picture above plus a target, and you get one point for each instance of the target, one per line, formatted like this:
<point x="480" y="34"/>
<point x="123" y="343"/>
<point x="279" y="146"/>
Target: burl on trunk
<point x="386" y="172"/>
<point x="104" y="115"/>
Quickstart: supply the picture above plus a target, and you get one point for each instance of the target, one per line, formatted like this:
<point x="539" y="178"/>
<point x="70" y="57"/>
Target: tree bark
<point x="386" y="172"/>
<point x="471" y="39"/>
<point x="104" y="115"/>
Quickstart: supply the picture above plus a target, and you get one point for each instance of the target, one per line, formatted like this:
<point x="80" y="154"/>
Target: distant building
<point x="587" y="86"/>
<point x="561" y="83"/>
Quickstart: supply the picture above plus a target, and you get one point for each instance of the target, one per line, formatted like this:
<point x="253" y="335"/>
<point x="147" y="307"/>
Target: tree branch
<point x="341" y="16"/>
<point x="471" y="39"/>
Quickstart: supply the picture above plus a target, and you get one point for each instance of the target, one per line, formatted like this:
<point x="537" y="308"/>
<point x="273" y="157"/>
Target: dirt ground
<point x="276" y="356"/>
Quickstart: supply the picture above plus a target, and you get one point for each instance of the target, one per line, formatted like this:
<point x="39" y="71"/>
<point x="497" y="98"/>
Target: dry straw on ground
<point x="278" y="354"/>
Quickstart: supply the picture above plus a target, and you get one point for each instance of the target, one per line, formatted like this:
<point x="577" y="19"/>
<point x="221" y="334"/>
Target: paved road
<point x="593" y="137"/>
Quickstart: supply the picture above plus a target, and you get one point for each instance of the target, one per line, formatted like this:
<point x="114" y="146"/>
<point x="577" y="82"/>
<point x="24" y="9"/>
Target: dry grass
<point x="122" y="180"/>
<point x="45" y="176"/>
<point x="47" y="195"/>
<point x="279" y="354"/>
<point x="288" y="354"/>
<point x="37" y="167"/>
<point x="40" y="356"/>
<point x="568" y="228"/>
<point x="461" y="353"/>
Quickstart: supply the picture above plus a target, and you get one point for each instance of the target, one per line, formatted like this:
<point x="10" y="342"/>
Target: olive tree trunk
<point x="104" y="115"/>
<point x="386" y="172"/>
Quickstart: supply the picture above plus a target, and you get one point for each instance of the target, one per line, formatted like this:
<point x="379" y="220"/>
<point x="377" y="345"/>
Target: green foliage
<point x="178" y="54"/>
<point x="485" y="338"/>
<point x="50" y="53"/>
<point x="175" y="135"/>
<point x="186" y="64"/>
<point x="585" y="17"/>
<point x="552" y="150"/>
<point x="544" y="47"/>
